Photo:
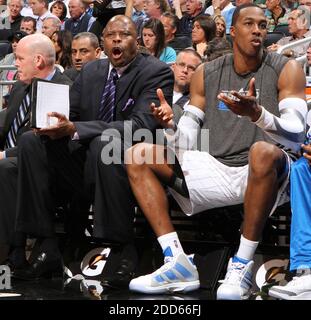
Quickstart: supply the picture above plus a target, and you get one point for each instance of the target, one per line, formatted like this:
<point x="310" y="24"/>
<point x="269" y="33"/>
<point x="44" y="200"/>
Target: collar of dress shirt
<point x="80" y="18"/>
<point x="45" y="15"/>
<point x="119" y="70"/>
<point x="50" y="76"/>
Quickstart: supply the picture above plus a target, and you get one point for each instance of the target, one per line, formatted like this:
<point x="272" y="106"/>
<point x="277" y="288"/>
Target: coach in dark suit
<point x="35" y="58"/>
<point x="75" y="153"/>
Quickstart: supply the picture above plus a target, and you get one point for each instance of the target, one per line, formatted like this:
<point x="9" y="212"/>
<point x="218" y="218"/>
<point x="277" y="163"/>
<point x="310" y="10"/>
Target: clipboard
<point x="47" y="96"/>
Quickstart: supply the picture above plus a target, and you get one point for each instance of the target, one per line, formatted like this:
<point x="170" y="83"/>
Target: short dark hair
<point x="62" y="4"/>
<point x="88" y="35"/>
<point x="208" y="25"/>
<point x="238" y="9"/>
<point x="174" y="19"/>
<point x="191" y="51"/>
<point x="28" y="19"/>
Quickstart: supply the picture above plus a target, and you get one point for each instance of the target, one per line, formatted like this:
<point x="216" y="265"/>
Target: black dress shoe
<point x="17" y="260"/>
<point x="42" y="267"/>
<point x="16" y="266"/>
<point x="122" y="277"/>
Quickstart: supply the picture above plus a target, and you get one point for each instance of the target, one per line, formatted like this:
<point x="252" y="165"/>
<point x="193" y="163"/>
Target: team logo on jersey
<point x="223" y="107"/>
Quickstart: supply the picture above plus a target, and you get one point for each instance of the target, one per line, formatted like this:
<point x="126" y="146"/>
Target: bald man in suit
<point x="35" y="58"/>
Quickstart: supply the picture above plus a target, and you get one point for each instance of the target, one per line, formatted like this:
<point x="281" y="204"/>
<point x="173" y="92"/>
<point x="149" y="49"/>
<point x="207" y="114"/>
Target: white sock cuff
<point x="247" y="248"/>
<point x="170" y="240"/>
<point x="248" y="242"/>
<point x="167" y="237"/>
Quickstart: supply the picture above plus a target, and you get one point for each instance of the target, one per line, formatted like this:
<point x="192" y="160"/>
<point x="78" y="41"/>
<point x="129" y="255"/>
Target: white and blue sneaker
<point x="178" y="274"/>
<point x="238" y="280"/>
<point x="297" y="289"/>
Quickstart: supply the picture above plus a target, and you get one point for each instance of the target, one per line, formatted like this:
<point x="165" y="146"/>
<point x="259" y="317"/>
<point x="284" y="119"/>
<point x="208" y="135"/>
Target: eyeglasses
<point x="182" y="65"/>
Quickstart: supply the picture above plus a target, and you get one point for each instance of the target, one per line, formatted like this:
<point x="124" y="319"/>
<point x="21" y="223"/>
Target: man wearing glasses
<point x="186" y="63"/>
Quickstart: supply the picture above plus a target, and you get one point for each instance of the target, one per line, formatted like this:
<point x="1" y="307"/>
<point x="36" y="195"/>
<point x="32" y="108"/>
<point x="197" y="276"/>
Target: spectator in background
<point x="220" y="26"/>
<point x="187" y="62"/>
<point x="217" y="47"/>
<point x="79" y="21"/>
<point x="223" y="7"/>
<point x="62" y="44"/>
<point x="170" y="24"/>
<point x="40" y="9"/>
<point x="298" y="27"/>
<point x="14" y="19"/>
<point x="290" y="4"/>
<point x="50" y="25"/>
<point x="28" y="25"/>
<point x="276" y="14"/>
<point x="9" y="60"/>
<point x="103" y="11"/>
<point x="153" y="9"/>
<point x="59" y="9"/>
<point x="84" y="48"/>
<point x="203" y="31"/>
<point x="153" y="38"/>
<point x="194" y="8"/>
<point x="306" y="3"/>
<point x="15" y="7"/>
<point x="135" y="10"/>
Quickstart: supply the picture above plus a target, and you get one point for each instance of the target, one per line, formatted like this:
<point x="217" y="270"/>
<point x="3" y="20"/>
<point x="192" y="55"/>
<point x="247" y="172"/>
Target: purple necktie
<point x="106" y="110"/>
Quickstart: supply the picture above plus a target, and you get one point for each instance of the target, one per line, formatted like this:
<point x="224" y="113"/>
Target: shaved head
<point x="35" y="57"/>
<point x="120" y="40"/>
<point x="40" y="44"/>
<point x="125" y="20"/>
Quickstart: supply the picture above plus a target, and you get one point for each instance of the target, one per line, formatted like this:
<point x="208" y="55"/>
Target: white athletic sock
<point x="247" y="249"/>
<point x="170" y="244"/>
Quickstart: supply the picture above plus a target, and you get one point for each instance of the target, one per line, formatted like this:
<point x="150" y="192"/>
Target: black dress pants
<point x="8" y="192"/>
<point x="49" y="166"/>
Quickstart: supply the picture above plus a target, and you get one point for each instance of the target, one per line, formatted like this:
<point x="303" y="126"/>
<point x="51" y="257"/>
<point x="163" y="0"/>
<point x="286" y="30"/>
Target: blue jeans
<point x="300" y="243"/>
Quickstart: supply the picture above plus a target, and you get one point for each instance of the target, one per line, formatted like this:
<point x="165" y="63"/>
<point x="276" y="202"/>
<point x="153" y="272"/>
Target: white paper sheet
<point x="51" y="97"/>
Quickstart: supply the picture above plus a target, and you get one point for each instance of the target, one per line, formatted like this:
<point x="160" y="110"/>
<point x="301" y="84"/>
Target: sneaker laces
<point x="234" y="273"/>
<point x="168" y="259"/>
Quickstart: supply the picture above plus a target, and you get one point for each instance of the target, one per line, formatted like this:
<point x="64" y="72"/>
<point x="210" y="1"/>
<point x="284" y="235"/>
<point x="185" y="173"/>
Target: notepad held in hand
<point x="47" y="96"/>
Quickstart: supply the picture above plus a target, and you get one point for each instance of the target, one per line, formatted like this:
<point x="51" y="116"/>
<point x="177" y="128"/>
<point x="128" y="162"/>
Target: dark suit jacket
<point x="16" y="96"/>
<point x="136" y="89"/>
<point x="71" y="73"/>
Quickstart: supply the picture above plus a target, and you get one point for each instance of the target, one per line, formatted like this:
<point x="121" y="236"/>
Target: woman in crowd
<point x="153" y="39"/>
<point x="220" y="26"/>
<point x="203" y="31"/>
<point x="62" y="43"/>
<point x="59" y="9"/>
